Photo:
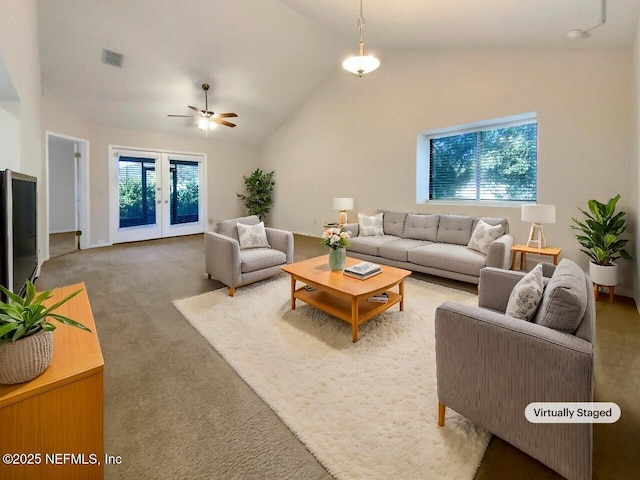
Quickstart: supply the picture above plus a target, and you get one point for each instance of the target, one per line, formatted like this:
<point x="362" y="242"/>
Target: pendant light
<point x="361" y="64"/>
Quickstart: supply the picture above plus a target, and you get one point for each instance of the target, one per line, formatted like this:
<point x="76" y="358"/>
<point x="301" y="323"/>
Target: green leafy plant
<point x="259" y="186"/>
<point x="600" y="232"/>
<point x="22" y="317"/>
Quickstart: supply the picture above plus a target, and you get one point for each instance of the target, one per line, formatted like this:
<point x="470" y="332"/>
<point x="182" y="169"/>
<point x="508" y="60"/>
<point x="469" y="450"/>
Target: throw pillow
<point x="252" y="236"/>
<point x="484" y="235"/>
<point x="526" y="295"/>
<point x="565" y="299"/>
<point x="369" y="226"/>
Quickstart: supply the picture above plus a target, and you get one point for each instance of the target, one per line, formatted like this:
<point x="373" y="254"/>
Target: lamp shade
<point x="538" y="213"/>
<point x="342" y="203"/>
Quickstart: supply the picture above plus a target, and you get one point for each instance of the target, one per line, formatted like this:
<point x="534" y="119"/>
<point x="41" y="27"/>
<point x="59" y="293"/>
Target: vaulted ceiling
<point x="263" y="57"/>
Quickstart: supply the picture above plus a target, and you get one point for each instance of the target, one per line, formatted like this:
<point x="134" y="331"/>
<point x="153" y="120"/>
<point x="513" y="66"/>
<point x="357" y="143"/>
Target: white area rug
<point x="366" y="410"/>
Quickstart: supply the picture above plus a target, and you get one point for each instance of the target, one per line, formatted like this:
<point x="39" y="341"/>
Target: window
<point x="491" y="162"/>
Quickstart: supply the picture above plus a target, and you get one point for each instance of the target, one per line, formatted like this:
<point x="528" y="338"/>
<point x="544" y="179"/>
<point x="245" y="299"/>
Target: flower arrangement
<point x="335" y="238"/>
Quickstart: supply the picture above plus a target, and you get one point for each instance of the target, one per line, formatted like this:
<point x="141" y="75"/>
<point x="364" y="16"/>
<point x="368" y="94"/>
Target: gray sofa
<point x="490" y="366"/>
<point x="433" y="244"/>
<point x="233" y="266"/>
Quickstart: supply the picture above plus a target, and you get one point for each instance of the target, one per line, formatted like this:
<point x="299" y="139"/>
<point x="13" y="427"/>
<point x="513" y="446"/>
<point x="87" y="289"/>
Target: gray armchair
<point x="227" y="263"/>
<point x="491" y="366"/>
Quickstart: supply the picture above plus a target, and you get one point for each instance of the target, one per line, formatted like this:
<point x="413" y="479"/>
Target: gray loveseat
<point x="433" y="244"/>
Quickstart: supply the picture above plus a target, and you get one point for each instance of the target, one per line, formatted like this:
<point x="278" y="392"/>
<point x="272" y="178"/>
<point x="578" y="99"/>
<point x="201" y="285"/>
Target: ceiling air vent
<point x="112" y="58"/>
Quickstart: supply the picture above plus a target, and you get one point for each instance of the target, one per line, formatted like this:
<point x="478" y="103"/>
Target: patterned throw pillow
<point x="370" y="226"/>
<point x="252" y="236"/>
<point x="484" y="235"/>
<point x="526" y="295"/>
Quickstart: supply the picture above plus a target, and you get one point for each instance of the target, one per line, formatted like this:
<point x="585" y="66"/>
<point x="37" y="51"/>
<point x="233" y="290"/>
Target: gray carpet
<point x="175" y="410"/>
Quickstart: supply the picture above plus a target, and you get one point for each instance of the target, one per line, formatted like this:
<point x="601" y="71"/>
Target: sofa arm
<point x="352" y="228"/>
<point x="222" y="257"/>
<point x="281" y="240"/>
<point x="490" y="367"/>
<point x="495" y="286"/>
<point x="499" y="254"/>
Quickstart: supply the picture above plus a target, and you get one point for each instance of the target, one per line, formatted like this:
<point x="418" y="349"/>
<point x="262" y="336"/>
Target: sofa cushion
<point x="483" y="235"/>
<point x="565" y="298"/>
<point x="452" y="258"/>
<point x="393" y="223"/>
<point x="229" y="227"/>
<point x="399" y="249"/>
<point x="526" y="295"/>
<point x="421" y="227"/>
<point x="260" y="258"/>
<point x="369" y="245"/>
<point x="369" y="226"/>
<point x="454" y="229"/>
<point x="252" y="236"/>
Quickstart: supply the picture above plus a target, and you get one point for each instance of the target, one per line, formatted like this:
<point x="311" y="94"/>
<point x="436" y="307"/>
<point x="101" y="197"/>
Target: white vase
<point x="606" y="275"/>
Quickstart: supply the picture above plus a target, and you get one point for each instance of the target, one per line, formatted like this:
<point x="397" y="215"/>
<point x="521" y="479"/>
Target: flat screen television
<point x="18" y="230"/>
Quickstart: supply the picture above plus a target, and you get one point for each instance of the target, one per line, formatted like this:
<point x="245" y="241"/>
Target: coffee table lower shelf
<point x="352" y="310"/>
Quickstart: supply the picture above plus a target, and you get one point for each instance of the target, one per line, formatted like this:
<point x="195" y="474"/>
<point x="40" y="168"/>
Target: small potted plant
<point x="26" y="338"/>
<point x="599" y="234"/>
<point x="336" y="240"/>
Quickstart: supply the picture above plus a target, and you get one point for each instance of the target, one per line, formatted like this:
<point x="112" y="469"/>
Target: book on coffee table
<point x="363" y="270"/>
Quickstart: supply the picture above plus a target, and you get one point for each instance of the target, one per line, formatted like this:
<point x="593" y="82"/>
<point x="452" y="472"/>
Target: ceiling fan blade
<point x="189" y="116"/>
<point x="222" y="122"/>
<point x="195" y="109"/>
<point x="227" y="115"/>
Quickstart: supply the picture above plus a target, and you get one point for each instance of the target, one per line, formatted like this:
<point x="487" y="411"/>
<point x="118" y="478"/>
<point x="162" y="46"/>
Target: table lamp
<point x="342" y="204"/>
<point x="538" y="214"/>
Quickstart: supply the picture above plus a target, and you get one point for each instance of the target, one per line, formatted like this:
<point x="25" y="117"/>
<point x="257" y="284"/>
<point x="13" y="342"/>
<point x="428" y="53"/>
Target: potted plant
<point x="259" y="186"/>
<point x="336" y="240"/>
<point x="26" y="338"/>
<point x="599" y="235"/>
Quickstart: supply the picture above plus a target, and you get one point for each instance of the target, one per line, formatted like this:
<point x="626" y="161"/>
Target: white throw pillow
<point x="484" y="235"/>
<point x="370" y="226"/>
<point x="526" y="296"/>
<point x="252" y="236"/>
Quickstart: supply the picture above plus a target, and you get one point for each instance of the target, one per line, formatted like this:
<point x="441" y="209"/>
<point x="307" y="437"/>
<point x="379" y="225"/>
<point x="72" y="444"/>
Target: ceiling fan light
<point x="361" y="64"/>
<point x="203" y="123"/>
<point x="213" y="125"/>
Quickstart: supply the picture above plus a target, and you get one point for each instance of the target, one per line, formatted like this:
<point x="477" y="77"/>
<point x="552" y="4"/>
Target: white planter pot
<point x="606" y="275"/>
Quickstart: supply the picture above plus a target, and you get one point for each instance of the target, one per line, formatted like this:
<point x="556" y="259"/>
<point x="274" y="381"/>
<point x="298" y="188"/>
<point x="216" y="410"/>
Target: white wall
<point x="20" y="123"/>
<point x="636" y="128"/>
<point x="226" y="162"/>
<point x="356" y="137"/>
<point x="62" y="186"/>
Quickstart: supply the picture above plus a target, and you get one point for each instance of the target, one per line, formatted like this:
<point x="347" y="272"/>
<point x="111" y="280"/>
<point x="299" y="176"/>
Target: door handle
<point x="159" y="202"/>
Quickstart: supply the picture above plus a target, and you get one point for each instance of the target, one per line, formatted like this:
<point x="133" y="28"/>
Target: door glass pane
<point x="137" y="186"/>
<point x="184" y="192"/>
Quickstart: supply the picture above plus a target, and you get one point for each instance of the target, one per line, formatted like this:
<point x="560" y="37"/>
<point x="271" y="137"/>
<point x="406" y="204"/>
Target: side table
<point x="523" y="250"/>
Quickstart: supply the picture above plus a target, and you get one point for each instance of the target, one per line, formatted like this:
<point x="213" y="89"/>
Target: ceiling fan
<point x="208" y="118"/>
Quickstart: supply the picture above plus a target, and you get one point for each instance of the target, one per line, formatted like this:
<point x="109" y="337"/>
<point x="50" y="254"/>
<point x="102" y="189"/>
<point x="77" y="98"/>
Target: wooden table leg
<point x="514" y="255"/>
<point x="555" y="259"/>
<point x="596" y="290"/>
<point x="354" y="319"/>
<point x="401" y="291"/>
<point x="523" y="260"/>
<point x="293" y="292"/>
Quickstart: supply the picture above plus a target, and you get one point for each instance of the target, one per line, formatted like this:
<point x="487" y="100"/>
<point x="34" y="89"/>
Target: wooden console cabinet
<point x="61" y="411"/>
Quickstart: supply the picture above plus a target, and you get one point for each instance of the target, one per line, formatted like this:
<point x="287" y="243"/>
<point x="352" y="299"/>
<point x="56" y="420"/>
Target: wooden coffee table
<point x="342" y="296"/>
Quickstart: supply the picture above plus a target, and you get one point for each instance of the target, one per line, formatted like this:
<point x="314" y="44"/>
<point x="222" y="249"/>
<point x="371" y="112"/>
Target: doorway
<point x="67" y="205"/>
<point x="155" y="194"/>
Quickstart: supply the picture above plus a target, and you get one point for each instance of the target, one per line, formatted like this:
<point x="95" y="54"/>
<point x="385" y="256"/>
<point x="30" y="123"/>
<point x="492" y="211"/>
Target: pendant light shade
<point x="361" y="64"/>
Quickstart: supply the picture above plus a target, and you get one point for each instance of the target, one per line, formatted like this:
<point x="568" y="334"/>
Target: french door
<point x="156" y="194"/>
